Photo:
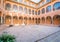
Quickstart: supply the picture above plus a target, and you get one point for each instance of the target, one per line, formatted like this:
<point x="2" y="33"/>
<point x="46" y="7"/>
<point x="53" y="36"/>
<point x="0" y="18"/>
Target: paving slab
<point x="31" y="33"/>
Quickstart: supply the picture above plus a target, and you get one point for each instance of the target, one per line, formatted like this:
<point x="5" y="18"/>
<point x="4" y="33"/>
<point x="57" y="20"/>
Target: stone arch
<point x="33" y="20"/>
<point x="38" y="21"/>
<point x="29" y="20"/>
<point x="42" y="20"/>
<point x="15" y="20"/>
<point x="56" y="19"/>
<point x="8" y="19"/>
<point x="48" y="20"/>
<point x="20" y="20"/>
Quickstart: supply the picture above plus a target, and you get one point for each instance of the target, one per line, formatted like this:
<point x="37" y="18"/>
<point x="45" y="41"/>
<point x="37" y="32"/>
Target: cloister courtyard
<point x="30" y="20"/>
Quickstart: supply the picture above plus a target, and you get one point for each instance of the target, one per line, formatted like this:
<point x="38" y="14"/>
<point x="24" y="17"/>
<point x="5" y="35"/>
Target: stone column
<point x="52" y="20"/>
<point x="45" y="20"/>
<point x="18" y="19"/>
<point x="1" y="19"/>
<point x="4" y="18"/>
<point x="11" y="20"/>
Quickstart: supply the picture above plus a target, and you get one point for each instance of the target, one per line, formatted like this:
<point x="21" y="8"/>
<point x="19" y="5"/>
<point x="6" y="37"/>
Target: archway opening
<point x="48" y="20"/>
<point x="32" y="20"/>
<point x="29" y="20"/>
<point x="56" y="19"/>
<point x="38" y="21"/>
<point x="15" y="20"/>
<point x="43" y="20"/>
<point x="8" y="19"/>
<point x="20" y="20"/>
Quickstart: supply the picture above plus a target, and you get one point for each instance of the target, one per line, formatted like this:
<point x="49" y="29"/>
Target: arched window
<point x="15" y="8"/>
<point x="48" y="1"/>
<point x="39" y="12"/>
<point x="20" y="1"/>
<point x="8" y="6"/>
<point x="20" y="8"/>
<point x="43" y="11"/>
<point x="29" y="11"/>
<point x="33" y="12"/>
<point x="15" y="0"/>
<point x="25" y="10"/>
<point x="48" y="9"/>
<point x="56" y="6"/>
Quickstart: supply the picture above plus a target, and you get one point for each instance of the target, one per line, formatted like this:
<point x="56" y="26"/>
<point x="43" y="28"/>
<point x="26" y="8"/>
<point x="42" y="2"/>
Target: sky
<point x="36" y="1"/>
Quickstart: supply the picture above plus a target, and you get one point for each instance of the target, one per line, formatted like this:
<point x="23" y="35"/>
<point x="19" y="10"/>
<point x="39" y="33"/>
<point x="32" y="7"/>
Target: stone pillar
<point x="45" y="20"/>
<point x="1" y="19"/>
<point x="18" y="20"/>
<point x="4" y="18"/>
<point x="23" y="21"/>
<point x="11" y="20"/>
<point x="52" y="20"/>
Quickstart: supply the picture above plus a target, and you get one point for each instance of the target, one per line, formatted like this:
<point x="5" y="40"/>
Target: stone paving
<point x="31" y="33"/>
<point x="3" y="27"/>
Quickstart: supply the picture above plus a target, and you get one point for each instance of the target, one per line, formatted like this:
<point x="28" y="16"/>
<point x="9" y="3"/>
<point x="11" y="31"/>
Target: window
<point x="8" y="6"/>
<point x="20" y="1"/>
<point x="25" y="10"/>
<point x="48" y="9"/>
<point x="15" y="0"/>
<point x="43" y="10"/>
<point x="39" y="12"/>
<point x="25" y="2"/>
<point x="48" y="1"/>
<point x="15" y="8"/>
<point x="20" y="8"/>
<point x="33" y="12"/>
<point x="36" y="12"/>
<point x="56" y="6"/>
<point x="43" y="2"/>
<point x="29" y="11"/>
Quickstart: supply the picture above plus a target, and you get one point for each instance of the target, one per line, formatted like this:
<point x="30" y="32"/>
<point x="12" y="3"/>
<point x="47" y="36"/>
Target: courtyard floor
<point x="35" y="33"/>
